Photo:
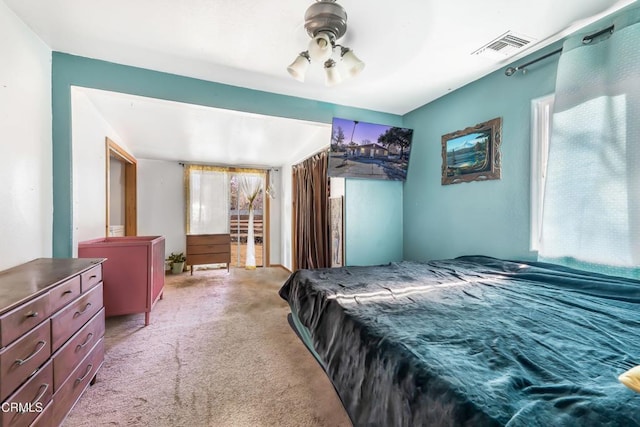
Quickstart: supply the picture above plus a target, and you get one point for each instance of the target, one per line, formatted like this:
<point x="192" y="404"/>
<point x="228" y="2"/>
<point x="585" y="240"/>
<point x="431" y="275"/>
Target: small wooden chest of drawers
<point x="208" y="249"/>
<point x="51" y="338"/>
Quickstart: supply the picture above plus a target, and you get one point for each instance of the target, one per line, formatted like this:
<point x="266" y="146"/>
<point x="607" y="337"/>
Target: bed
<point x="473" y="341"/>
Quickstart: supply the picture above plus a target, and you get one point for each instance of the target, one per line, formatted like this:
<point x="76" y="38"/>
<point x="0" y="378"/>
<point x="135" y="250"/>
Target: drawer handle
<point x="86" y="341"/>
<point x="67" y="292"/>
<point x="93" y="276"/>
<point x="44" y="388"/>
<point x="78" y="313"/>
<point x="24" y="410"/>
<point x="39" y="347"/>
<point x="31" y="314"/>
<point x="87" y="372"/>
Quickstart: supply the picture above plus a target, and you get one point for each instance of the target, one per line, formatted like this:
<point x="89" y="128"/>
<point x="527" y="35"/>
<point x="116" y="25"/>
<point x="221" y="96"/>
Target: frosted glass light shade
<point x="352" y="63"/>
<point x="320" y="48"/>
<point x="332" y="76"/>
<point x="298" y="68"/>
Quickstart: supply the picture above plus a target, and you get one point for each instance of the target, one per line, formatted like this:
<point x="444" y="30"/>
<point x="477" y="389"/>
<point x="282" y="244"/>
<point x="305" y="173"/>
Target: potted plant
<point x="177" y="261"/>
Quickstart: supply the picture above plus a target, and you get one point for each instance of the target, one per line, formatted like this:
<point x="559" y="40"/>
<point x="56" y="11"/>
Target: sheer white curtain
<point x="208" y="209"/>
<point x="591" y="210"/>
<point x="250" y="186"/>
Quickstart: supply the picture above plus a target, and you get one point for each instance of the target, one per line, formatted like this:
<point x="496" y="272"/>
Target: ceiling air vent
<point x="505" y="45"/>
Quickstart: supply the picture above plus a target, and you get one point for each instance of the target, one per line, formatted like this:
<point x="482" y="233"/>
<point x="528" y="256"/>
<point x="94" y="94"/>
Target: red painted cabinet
<point x="132" y="275"/>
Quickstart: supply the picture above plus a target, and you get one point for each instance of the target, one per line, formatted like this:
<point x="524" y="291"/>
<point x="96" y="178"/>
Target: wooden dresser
<point x="208" y="249"/>
<point x="51" y="338"/>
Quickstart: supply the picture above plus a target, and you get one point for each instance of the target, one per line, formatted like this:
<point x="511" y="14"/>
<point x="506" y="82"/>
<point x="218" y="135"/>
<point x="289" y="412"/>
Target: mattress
<point x="473" y="341"/>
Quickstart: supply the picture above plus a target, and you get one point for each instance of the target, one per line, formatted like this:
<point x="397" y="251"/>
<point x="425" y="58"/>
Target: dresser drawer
<point x="20" y="320"/>
<point x="63" y="294"/>
<point x="91" y="278"/>
<point x="23" y="357"/>
<point x="44" y="418"/>
<point x="208" y="259"/>
<point x="67" y="395"/>
<point x="67" y="321"/>
<point x="208" y="249"/>
<point x="68" y="357"/>
<point x="208" y="239"/>
<point x="30" y="400"/>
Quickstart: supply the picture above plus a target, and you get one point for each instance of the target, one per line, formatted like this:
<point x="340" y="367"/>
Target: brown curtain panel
<point x="311" y="213"/>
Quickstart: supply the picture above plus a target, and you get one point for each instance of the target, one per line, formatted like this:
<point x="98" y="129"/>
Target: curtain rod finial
<point x="510" y="71"/>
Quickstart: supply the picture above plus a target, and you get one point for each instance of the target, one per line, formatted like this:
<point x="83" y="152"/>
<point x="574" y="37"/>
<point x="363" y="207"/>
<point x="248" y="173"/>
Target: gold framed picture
<point x="472" y="154"/>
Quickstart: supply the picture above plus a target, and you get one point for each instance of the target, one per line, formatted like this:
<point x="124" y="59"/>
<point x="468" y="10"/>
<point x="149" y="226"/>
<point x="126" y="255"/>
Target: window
<point x="541" y="114"/>
<point x="217" y="204"/>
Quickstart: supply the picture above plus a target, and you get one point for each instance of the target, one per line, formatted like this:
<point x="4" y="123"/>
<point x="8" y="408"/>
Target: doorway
<point x="121" y="192"/>
<point x="239" y="218"/>
<point x="218" y="201"/>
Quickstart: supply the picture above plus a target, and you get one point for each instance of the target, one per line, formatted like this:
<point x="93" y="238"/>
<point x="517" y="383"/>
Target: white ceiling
<point x="415" y="51"/>
<point x="167" y="130"/>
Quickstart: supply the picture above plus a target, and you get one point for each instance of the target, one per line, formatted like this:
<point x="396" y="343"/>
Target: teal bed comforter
<point x="473" y="341"/>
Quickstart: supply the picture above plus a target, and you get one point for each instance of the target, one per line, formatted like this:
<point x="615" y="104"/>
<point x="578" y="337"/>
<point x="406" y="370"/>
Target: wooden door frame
<point x="266" y="221"/>
<point x="130" y="187"/>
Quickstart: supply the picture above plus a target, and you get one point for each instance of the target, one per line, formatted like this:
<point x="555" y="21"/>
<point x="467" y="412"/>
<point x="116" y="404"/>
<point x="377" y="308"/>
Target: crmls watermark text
<point x="22" y="407"/>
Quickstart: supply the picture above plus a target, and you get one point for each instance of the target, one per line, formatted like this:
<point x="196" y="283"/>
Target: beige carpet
<point x="218" y="352"/>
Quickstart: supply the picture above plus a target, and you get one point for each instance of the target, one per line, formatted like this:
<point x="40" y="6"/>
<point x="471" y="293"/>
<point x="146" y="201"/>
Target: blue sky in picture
<point x="465" y="141"/>
<point x="361" y="131"/>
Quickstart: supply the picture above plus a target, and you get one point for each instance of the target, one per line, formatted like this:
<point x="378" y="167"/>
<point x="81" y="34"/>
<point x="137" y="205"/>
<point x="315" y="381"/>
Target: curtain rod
<point x="588" y="39"/>
<point x="232" y="168"/>
<point x="512" y="70"/>
<point x="585" y="40"/>
<point x="322" y="150"/>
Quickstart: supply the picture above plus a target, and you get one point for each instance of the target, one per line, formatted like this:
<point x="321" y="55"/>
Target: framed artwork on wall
<point x="472" y="154"/>
<point x="369" y="150"/>
<point x="337" y="231"/>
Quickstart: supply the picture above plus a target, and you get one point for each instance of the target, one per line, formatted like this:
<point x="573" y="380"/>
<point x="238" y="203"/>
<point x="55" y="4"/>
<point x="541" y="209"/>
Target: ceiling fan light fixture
<point x="298" y="68"/>
<point x="326" y="22"/>
<point x="332" y="75"/>
<point x="320" y="47"/>
<point x="352" y="63"/>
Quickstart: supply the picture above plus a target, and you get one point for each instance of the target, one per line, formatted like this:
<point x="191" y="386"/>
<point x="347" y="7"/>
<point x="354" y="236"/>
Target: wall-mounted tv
<point x="367" y="150"/>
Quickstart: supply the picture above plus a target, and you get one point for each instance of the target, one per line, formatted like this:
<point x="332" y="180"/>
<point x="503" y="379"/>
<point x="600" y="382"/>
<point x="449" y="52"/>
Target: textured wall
<point x="25" y="125"/>
<point x="373" y="221"/>
<point x="161" y="210"/>
<point x="89" y="175"/>
<point x="488" y="218"/>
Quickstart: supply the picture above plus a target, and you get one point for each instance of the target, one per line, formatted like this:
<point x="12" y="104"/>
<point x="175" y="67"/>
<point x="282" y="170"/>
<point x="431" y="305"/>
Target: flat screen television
<point x="367" y="150"/>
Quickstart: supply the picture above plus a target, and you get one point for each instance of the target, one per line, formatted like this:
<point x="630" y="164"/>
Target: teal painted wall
<point x="491" y="217"/>
<point x="373" y="221"/>
<point x="68" y="70"/>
